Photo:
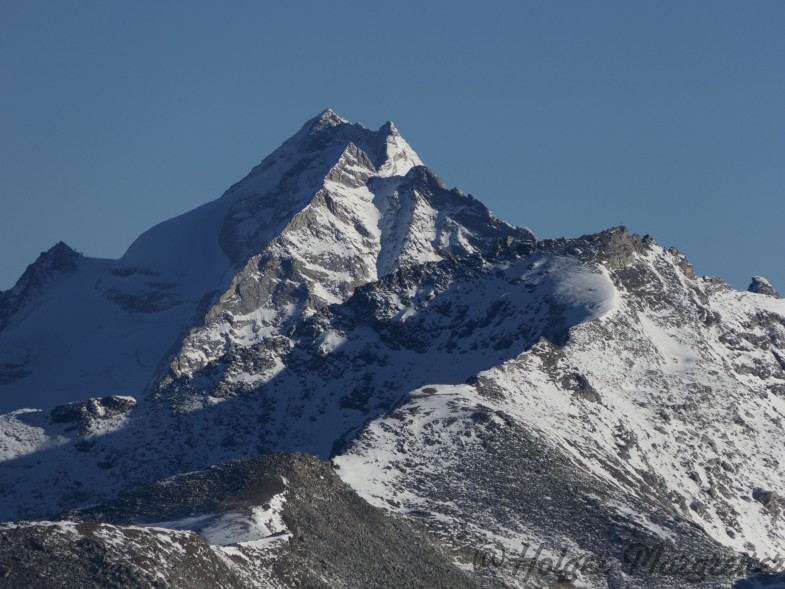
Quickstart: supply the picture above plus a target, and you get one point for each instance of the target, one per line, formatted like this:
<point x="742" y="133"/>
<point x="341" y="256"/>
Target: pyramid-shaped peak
<point x="58" y="261"/>
<point x="389" y="128"/>
<point x="327" y="118"/>
<point x="60" y="257"/>
<point x="61" y="248"/>
<point x="385" y="147"/>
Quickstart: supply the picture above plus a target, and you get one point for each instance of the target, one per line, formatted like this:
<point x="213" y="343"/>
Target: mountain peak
<point x="57" y="261"/>
<point x="400" y="157"/>
<point x="389" y="128"/>
<point x="327" y="118"/>
<point x="61" y="248"/>
<point x="60" y="258"/>
<point x="341" y="301"/>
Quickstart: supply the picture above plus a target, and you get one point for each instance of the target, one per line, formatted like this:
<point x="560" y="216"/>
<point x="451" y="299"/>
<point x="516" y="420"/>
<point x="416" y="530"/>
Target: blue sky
<point x="566" y="117"/>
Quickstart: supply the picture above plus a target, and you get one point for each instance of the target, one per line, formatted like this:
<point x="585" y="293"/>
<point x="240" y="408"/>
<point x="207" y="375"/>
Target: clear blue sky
<point x="566" y="117"/>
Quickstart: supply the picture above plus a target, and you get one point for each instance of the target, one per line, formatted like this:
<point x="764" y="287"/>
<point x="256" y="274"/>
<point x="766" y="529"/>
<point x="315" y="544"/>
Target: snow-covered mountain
<point x="481" y="388"/>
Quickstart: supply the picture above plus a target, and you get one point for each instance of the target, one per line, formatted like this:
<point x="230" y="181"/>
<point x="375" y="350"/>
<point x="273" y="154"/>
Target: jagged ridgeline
<point x="342" y="373"/>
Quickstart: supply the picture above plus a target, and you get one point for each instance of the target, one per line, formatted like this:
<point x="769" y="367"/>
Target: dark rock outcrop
<point x="762" y="286"/>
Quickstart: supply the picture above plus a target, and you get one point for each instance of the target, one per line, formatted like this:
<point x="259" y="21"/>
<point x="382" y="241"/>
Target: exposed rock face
<point x="51" y="266"/>
<point x="85" y="414"/>
<point x="614" y="248"/>
<point x="762" y="286"/>
<point x="278" y="521"/>
<point x="591" y="395"/>
<point x="64" y="554"/>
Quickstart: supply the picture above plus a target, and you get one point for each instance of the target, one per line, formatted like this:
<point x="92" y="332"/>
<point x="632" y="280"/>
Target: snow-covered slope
<point x="100" y="327"/>
<point x="664" y="414"/>
<point x="584" y="393"/>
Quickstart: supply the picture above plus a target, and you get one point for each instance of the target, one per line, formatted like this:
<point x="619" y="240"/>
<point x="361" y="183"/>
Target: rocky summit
<point x="342" y="373"/>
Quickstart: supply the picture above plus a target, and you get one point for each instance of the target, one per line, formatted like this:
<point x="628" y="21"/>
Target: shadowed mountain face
<point x="583" y="395"/>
